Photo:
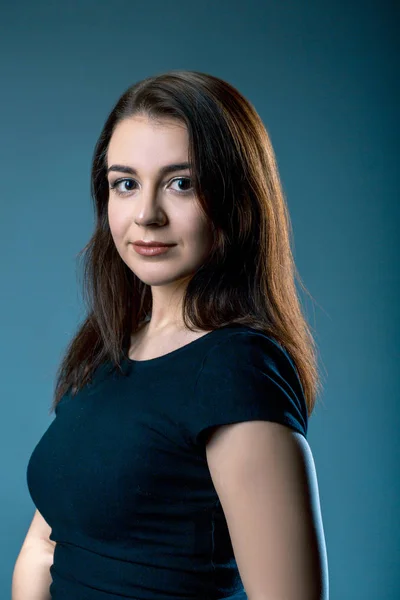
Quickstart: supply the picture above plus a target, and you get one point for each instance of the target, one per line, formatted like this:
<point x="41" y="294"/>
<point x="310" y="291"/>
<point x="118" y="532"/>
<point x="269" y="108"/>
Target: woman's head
<point x="235" y="183"/>
<point x="220" y="134"/>
<point x="238" y="264"/>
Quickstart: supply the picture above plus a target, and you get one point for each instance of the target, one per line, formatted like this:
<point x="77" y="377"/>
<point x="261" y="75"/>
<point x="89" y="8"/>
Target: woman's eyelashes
<point x="115" y="186"/>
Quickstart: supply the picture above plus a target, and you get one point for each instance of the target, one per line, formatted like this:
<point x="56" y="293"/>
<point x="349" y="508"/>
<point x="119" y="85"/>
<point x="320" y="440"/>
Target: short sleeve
<point x="248" y="376"/>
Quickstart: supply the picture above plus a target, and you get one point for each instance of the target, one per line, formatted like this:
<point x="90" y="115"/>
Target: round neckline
<point x="166" y="356"/>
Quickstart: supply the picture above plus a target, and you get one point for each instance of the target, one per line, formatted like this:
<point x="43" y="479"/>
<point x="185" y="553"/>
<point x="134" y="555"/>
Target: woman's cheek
<point x="116" y="223"/>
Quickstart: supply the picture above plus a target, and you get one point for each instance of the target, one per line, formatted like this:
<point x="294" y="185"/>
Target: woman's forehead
<point x="139" y="140"/>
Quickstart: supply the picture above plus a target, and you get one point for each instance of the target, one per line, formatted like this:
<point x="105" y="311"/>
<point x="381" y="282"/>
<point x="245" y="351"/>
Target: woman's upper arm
<point x="39" y="531"/>
<point x="265" y="478"/>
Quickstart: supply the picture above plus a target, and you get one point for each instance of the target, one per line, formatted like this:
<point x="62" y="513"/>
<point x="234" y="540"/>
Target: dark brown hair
<point x="249" y="275"/>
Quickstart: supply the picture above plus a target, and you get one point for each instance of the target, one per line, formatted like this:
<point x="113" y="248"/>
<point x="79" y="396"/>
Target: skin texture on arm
<point x="31" y="576"/>
<point x="266" y="481"/>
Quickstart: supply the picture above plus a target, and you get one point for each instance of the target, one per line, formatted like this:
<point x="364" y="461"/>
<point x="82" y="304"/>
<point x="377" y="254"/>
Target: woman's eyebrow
<point x="162" y="170"/>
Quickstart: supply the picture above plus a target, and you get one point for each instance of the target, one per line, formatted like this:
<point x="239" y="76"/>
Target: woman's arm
<point x="264" y="475"/>
<point x="31" y="577"/>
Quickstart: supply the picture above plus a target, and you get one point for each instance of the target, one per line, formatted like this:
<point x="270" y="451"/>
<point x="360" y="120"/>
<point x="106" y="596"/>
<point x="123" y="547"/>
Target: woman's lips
<point x="151" y="250"/>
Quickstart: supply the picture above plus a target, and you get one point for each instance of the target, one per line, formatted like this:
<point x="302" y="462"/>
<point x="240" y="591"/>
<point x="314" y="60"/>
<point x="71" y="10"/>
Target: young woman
<point x="178" y="464"/>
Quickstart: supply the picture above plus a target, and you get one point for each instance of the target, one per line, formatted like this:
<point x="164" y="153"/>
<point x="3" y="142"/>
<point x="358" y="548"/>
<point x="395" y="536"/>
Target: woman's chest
<point x="148" y="347"/>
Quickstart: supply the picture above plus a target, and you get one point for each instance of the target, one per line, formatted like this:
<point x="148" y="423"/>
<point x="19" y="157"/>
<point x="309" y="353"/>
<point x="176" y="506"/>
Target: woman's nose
<point x="149" y="208"/>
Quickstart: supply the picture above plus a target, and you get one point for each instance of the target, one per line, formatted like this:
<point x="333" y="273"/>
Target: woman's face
<point x="148" y="204"/>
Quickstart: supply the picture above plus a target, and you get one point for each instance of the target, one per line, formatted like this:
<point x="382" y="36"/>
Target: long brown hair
<point x="249" y="275"/>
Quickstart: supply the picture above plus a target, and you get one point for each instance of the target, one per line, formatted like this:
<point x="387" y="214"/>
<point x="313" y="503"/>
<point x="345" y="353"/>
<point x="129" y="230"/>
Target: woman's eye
<point x="187" y="180"/>
<point x="121" y="191"/>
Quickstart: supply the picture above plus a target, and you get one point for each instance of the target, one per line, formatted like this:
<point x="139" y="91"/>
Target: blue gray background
<point x="323" y="78"/>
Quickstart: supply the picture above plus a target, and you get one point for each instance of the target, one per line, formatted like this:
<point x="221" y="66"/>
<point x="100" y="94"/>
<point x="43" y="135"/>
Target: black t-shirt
<point x="121" y="473"/>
